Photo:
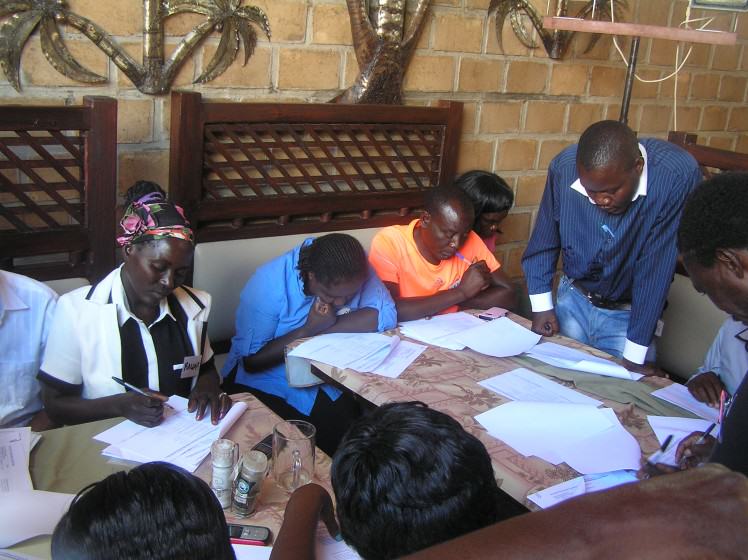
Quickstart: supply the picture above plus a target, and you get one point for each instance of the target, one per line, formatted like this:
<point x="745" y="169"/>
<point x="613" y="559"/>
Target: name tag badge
<point x="190" y="367"/>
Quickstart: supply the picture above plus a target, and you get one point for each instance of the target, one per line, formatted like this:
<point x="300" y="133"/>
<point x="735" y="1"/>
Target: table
<point x="68" y="459"/>
<point x="447" y="381"/>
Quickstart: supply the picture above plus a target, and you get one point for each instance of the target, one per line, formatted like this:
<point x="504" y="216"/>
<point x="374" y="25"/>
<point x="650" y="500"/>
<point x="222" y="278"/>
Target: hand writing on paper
<point x="545" y="323"/>
<point x="146" y="411"/>
<point x="476" y="278"/>
<point x="706" y="387"/>
<point x="694" y="450"/>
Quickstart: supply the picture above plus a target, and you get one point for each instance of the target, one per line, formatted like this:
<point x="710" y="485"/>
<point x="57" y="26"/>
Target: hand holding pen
<point x="695" y="448"/>
<point x="144" y="408"/>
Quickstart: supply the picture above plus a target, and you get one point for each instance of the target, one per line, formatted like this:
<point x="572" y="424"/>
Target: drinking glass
<point x="293" y="453"/>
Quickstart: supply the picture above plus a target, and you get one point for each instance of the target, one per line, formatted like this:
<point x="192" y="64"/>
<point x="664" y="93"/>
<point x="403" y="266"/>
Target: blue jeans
<point x="604" y="329"/>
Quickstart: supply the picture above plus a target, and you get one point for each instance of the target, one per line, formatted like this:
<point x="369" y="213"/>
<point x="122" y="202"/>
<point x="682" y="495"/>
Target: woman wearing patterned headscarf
<point x="138" y="325"/>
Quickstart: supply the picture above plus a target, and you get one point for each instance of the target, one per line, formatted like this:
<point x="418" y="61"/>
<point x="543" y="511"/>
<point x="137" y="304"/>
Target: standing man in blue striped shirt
<point x="611" y="207"/>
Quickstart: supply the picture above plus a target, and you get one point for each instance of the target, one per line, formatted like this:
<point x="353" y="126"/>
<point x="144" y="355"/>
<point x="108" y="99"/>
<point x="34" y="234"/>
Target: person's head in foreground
<point x="154" y="512"/>
<point x="333" y="268"/>
<point x="491" y="197"/>
<point x="609" y="165"/>
<point x="157" y="246"/>
<point x="713" y="240"/>
<point x="445" y="223"/>
<point x="407" y="477"/>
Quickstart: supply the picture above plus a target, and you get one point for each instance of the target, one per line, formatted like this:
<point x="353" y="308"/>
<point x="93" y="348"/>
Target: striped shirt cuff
<point x="541" y="302"/>
<point x="635" y="353"/>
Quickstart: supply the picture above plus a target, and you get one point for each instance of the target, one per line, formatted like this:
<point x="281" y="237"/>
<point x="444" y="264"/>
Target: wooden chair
<point x="58" y="189"/>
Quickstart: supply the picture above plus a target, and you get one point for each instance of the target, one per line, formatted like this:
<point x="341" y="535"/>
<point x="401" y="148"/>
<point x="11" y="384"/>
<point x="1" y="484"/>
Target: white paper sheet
<point x="679" y="395"/>
<point x="588" y="439"/>
<point x="398" y="360"/>
<point x="605" y="451"/>
<point x="679" y="428"/>
<point x="179" y="439"/>
<point x="500" y="338"/>
<point x="571" y="358"/>
<point x="359" y="351"/>
<point x="15" y="446"/>
<point x="580" y="485"/>
<point x="29" y="514"/>
<point x="439" y="329"/>
<point x="251" y="552"/>
<point x="330" y="549"/>
<point x="524" y="385"/>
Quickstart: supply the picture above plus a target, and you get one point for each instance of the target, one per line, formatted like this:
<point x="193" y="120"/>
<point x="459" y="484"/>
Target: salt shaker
<point x="248" y="482"/>
<point x="224" y="454"/>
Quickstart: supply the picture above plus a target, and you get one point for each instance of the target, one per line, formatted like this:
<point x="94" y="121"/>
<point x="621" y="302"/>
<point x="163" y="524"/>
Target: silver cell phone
<point x="249" y="534"/>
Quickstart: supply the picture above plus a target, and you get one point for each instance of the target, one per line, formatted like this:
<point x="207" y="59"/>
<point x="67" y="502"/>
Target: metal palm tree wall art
<point x="383" y="48"/>
<point x="233" y="21"/>
<point x="556" y="42"/>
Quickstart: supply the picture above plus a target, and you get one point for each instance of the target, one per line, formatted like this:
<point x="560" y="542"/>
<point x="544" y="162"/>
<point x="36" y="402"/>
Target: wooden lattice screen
<point x="57" y="189"/>
<point x="257" y="169"/>
<point x="711" y="160"/>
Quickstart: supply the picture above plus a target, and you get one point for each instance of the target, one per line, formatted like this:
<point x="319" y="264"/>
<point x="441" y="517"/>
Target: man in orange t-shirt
<point x="437" y="264"/>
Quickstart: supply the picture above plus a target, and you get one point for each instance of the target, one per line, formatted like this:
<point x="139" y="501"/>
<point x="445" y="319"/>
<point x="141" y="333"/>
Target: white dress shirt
<point x="26" y="310"/>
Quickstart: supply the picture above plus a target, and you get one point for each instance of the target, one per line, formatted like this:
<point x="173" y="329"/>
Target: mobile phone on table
<point x="492" y="313"/>
<point x="266" y="446"/>
<point x="250" y="534"/>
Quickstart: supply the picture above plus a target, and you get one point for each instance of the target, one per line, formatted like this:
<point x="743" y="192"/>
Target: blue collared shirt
<point x="622" y="257"/>
<point x="728" y="355"/>
<point x="272" y="304"/>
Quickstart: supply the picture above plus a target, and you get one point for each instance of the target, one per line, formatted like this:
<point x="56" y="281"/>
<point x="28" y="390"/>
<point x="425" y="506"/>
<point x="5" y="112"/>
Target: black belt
<point x="599" y="301"/>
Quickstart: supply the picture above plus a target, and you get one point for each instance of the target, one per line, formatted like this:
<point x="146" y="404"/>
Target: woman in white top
<point x="139" y="325"/>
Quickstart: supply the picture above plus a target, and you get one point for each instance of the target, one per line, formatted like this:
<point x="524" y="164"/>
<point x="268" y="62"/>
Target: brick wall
<point x="521" y="108"/>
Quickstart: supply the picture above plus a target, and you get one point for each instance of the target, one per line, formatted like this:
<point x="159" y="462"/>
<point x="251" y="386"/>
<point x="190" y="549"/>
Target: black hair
<point x="333" y="258"/>
<point x="407" y="477"/>
<point x="487" y="191"/>
<point x="439" y="197"/>
<point x="154" y="512"/>
<point x="606" y="143"/>
<point x="715" y="217"/>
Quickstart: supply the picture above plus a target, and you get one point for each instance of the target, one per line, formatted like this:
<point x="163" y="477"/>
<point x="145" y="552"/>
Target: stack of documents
<point x="366" y="352"/>
<point x="588" y="439"/>
<point x="569" y="358"/>
<point x="679" y="428"/>
<point x="679" y="395"/>
<point x="179" y="439"/>
<point x="580" y="485"/>
<point x="500" y="338"/>
<point x="25" y="512"/>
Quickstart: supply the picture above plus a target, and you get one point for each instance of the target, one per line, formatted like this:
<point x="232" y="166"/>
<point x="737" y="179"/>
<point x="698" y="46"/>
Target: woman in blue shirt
<point x="325" y="285"/>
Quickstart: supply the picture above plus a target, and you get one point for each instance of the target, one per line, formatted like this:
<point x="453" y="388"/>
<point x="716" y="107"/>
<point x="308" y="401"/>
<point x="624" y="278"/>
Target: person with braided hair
<point x="139" y="324"/>
<point x="325" y="285"/>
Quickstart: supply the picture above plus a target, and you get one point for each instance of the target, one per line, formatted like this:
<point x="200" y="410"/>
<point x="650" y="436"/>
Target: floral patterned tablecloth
<point x="68" y="459"/>
<point x="447" y="380"/>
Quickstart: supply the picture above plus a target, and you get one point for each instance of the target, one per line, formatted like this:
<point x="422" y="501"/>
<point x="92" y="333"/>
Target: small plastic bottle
<point x="254" y="465"/>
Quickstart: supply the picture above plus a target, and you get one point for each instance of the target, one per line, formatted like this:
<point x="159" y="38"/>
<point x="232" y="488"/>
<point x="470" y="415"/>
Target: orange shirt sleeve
<point x="384" y="256"/>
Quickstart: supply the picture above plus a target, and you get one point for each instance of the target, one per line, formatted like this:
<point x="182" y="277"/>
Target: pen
<point x="722" y="397"/>
<point x="657" y="455"/>
<point x="464" y="258"/>
<point x="705" y="434"/>
<point x="133" y="388"/>
<point x="607" y="230"/>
